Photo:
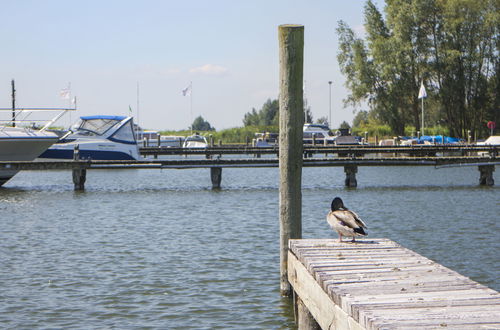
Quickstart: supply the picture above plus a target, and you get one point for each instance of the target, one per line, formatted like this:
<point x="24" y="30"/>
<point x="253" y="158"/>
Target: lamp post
<point x="330" y="113"/>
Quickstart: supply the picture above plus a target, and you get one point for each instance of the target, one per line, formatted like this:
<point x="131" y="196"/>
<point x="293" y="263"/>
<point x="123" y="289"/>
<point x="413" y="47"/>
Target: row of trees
<point x="450" y="45"/>
<point x="268" y="115"/>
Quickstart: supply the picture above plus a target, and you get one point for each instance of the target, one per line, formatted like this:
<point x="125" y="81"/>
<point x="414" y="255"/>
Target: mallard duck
<point x="344" y="221"/>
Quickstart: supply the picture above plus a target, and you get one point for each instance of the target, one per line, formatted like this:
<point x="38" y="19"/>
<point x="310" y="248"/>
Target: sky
<point x="118" y="55"/>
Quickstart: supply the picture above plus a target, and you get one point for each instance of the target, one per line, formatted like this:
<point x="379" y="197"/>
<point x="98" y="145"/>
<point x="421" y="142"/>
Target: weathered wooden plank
<point x="367" y="307"/>
<point x="381" y="285"/>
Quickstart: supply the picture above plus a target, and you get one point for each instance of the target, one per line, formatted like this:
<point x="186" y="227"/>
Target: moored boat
<point x="99" y="138"/>
<point x="195" y="141"/>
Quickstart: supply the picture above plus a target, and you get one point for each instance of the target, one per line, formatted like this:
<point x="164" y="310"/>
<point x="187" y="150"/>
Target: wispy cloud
<point x="209" y="69"/>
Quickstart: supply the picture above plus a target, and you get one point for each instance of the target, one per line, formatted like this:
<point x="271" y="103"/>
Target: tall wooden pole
<point x="291" y="121"/>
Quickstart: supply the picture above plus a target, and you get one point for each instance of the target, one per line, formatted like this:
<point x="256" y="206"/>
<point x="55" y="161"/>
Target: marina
<point x="139" y="243"/>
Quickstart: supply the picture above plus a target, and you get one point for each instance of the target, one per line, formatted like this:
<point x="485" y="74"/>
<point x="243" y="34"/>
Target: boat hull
<point x="23" y="147"/>
<point x="99" y="150"/>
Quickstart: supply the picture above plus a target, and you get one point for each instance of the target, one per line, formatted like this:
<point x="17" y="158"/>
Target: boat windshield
<point x="125" y="133"/>
<point x="196" y="139"/>
<point x="94" y="126"/>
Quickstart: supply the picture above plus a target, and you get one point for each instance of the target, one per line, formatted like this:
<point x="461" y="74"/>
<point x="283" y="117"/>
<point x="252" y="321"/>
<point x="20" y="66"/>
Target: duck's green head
<point x="337" y="204"/>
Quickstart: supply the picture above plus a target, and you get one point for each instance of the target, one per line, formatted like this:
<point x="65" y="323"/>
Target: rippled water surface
<point x="160" y="249"/>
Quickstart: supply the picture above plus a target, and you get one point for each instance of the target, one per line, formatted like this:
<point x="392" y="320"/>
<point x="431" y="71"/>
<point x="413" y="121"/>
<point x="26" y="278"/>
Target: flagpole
<point x="69" y="103"/>
<point x="191" y="105"/>
<point x="138" y="103"/>
<point x="422" y="116"/>
<point x="421" y="95"/>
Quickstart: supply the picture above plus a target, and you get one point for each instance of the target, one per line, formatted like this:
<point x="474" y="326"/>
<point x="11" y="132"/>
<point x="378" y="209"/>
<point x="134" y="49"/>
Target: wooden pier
<point x="378" y="284"/>
<point x="346" y="157"/>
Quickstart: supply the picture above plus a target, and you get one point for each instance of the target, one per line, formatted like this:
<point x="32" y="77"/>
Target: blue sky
<point x="228" y="49"/>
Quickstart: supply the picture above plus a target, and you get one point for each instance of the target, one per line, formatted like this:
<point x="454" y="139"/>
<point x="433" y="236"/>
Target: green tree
<point x="360" y="119"/>
<point x="268" y="115"/>
<point x="200" y="124"/>
<point x="345" y="125"/>
<point x="451" y="45"/>
<point x="465" y="63"/>
<point x="323" y="121"/>
<point x="308" y="116"/>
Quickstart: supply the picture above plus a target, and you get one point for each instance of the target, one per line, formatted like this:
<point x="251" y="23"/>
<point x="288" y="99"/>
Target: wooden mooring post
<point x="216" y="177"/>
<point x="350" y="176"/>
<point x="291" y="122"/>
<point x="79" y="173"/>
<point x="486" y="175"/>
<point x="379" y="284"/>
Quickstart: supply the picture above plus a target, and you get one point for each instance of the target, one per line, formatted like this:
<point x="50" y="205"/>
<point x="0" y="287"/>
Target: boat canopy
<point x="438" y="139"/>
<point x="97" y="125"/>
<point x="120" y="118"/>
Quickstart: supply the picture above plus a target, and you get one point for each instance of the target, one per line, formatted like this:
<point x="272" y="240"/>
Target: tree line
<point x="451" y="46"/>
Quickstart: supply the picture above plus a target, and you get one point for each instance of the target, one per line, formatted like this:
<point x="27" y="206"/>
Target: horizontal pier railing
<point x="249" y="162"/>
<point x="349" y="158"/>
<point x="352" y="149"/>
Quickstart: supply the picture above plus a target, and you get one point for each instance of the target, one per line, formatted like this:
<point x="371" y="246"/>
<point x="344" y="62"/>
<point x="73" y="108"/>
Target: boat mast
<point x="191" y="104"/>
<point x="13" y="103"/>
<point x="138" y="103"/>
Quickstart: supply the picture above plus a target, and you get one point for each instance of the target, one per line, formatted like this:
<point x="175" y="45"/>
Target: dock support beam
<point x="79" y="177"/>
<point x="79" y="174"/>
<point x="216" y="176"/>
<point x="350" y="176"/>
<point x="486" y="175"/>
<point x="291" y="122"/>
<point x="304" y="321"/>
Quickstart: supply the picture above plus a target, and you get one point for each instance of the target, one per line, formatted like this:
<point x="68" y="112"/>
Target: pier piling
<point x="79" y="174"/>
<point x="291" y="121"/>
<point x="350" y="176"/>
<point x="486" y="175"/>
<point x="216" y="176"/>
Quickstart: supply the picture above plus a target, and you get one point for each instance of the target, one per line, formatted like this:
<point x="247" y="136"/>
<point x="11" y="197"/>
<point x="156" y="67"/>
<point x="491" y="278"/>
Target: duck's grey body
<point x="344" y="221"/>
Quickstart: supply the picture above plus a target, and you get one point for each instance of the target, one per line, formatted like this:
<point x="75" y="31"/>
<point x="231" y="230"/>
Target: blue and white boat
<point x="98" y="138"/>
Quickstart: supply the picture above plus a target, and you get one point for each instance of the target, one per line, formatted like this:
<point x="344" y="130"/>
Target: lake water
<point x="160" y="249"/>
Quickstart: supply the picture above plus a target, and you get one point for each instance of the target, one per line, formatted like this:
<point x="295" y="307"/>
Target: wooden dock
<point x="378" y="284"/>
<point x="350" y="157"/>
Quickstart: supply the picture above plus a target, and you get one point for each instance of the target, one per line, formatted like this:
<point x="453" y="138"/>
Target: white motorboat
<point x="22" y="144"/>
<point x="98" y="138"/>
<point x="493" y="140"/>
<point x="318" y="133"/>
<point x="27" y="141"/>
<point x="266" y="140"/>
<point x="149" y="138"/>
<point x="195" y="141"/>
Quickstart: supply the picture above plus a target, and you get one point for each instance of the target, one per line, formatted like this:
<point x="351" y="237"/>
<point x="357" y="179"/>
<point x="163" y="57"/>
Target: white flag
<point x="186" y="91"/>
<point x="73" y="100"/>
<point x="421" y="92"/>
<point x="65" y="94"/>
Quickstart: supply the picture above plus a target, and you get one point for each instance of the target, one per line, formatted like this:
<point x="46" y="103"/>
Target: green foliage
<point x="322" y="121"/>
<point x="452" y="46"/>
<point x="200" y="124"/>
<point x="381" y="131"/>
<point x="360" y="119"/>
<point x="230" y="135"/>
<point x="345" y="125"/>
<point x="267" y="115"/>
